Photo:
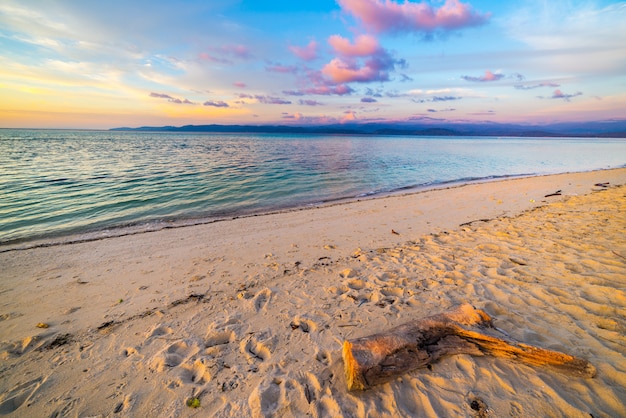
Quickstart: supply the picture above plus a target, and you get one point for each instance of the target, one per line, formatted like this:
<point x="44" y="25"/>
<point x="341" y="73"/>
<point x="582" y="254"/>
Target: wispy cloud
<point x="449" y="109"/>
<point x="226" y="53"/>
<point x="390" y="16"/>
<point x="240" y="84"/>
<point x="558" y="94"/>
<point x="368" y="100"/>
<point x="306" y="53"/>
<point x="535" y="86"/>
<point x="265" y="99"/>
<point x="215" y="103"/>
<point x="310" y="102"/>
<point x="488" y="76"/>
<point x="322" y="90"/>
<point x="170" y="98"/>
<point x="435" y="99"/>
<point x="283" y="69"/>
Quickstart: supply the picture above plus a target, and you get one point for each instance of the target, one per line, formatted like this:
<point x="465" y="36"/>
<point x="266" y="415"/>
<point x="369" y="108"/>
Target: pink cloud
<point x="350" y="115"/>
<point x="240" y="51"/>
<point x="364" y="45"/>
<point x="208" y="57"/>
<point x="349" y="65"/>
<point x="389" y="16"/>
<point x="240" y="84"/>
<point x="284" y="69"/>
<point x="375" y="68"/>
<point x="219" y="54"/>
<point x="558" y="94"/>
<point x="307" y="53"/>
<point x="489" y="76"/>
<point x="340" y="71"/>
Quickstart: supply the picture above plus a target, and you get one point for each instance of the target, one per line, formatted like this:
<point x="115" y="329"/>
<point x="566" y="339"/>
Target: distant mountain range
<point x="427" y="127"/>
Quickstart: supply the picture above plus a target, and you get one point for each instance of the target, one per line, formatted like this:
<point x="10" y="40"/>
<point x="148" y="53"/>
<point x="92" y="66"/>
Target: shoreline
<point x="248" y="315"/>
<point x="147" y="227"/>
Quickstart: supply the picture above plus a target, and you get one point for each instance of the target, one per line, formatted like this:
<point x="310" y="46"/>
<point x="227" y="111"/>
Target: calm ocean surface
<point x="97" y="183"/>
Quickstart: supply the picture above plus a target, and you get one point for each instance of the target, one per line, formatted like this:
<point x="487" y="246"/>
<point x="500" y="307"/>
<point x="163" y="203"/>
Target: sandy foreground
<point x="248" y="315"/>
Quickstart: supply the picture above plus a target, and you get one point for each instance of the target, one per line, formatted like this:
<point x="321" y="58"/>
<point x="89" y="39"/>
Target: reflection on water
<point x="62" y="182"/>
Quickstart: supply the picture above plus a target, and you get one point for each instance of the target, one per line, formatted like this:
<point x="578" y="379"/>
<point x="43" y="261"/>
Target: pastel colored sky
<point x="103" y="64"/>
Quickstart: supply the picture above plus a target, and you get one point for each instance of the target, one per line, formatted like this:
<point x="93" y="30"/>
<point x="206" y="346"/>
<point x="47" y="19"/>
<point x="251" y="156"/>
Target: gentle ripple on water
<point x="56" y="183"/>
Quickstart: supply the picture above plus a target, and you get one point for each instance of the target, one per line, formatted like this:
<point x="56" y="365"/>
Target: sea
<point x="72" y="185"/>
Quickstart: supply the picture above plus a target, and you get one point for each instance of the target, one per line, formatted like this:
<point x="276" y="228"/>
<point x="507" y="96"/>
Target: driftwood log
<point x="378" y="358"/>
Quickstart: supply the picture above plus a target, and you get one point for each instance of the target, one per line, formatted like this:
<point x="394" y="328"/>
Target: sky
<point x="104" y="64"/>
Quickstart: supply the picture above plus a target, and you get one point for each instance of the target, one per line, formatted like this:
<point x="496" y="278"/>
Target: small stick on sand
<point x="557" y="193"/>
<point x="378" y="358"/>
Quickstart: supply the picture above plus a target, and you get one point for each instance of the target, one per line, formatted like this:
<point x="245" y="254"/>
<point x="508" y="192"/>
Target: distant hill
<point x="599" y="129"/>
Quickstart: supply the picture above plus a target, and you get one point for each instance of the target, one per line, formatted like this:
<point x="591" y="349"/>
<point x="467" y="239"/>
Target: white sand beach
<point x="247" y="316"/>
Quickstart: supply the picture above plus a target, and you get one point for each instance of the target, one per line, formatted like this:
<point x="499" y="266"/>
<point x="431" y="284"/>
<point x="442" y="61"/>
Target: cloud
<point x="348" y="67"/>
<point x="373" y="93"/>
<point x="558" y="94"/>
<point x="489" y="76"/>
<point x="535" y="86"/>
<point x="161" y="96"/>
<point x="215" y="104"/>
<point x="306" y="53"/>
<point x="483" y="113"/>
<point x="272" y="100"/>
<point x="264" y="99"/>
<point x="350" y="115"/>
<point x="449" y="109"/>
<point x="361" y="60"/>
<point x="389" y="16"/>
<point x="444" y="98"/>
<point x="310" y="103"/>
<point x="322" y="90"/>
<point x="170" y="98"/>
<point x="363" y="46"/>
<point x="437" y="99"/>
<point x="240" y="84"/>
<point x="283" y="69"/>
<point x="301" y="119"/>
<point x="223" y="54"/>
<point x="368" y="100"/>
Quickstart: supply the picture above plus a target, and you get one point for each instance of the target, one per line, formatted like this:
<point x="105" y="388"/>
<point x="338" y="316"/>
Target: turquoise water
<point x="60" y="183"/>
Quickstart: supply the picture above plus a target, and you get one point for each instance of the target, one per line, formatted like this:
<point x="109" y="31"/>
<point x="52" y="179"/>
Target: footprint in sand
<point x="19" y="348"/>
<point x="304" y="325"/>
<point x="219" y="338"/>
<point x="173" y="355"/>
<point x="392" y="291"/>
<point x="198" y="372"/>
<point x="19" y="395"/>
<point x="323" y="356"/>
<point x="356" y="284"/>
<point x="267" y="397"/>
<point x="124" y="406"/>
<point x="159" y="330"/>
<point x="129" y="352"/>
<point x="255" y="350"/>
<point x="261" y="300"/>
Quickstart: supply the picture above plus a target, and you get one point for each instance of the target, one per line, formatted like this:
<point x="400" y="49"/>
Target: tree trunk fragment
<point x="377" y="358"/>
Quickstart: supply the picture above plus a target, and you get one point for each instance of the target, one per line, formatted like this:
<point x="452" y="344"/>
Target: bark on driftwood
<point x="378" y="358"/>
